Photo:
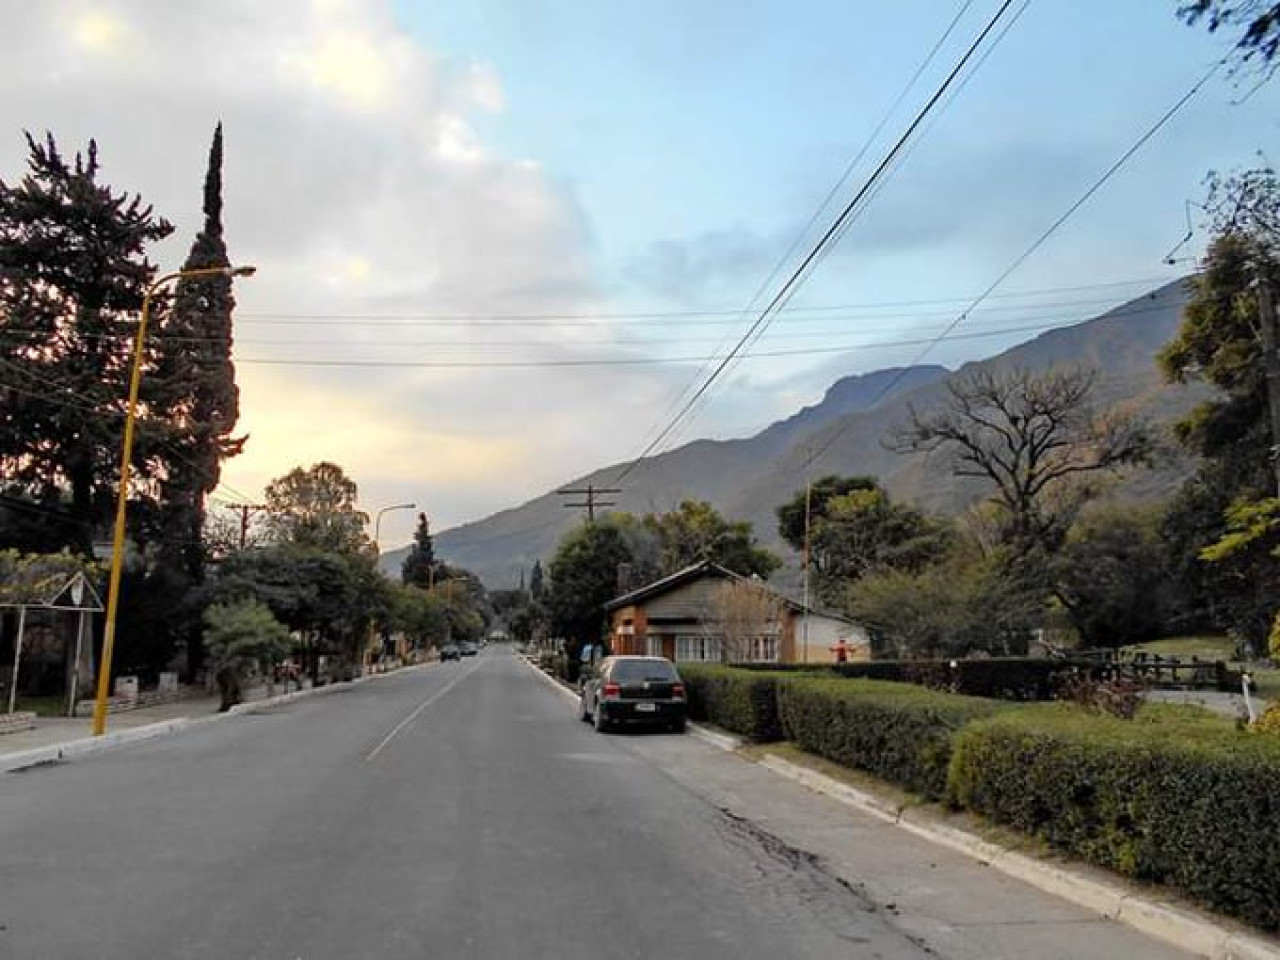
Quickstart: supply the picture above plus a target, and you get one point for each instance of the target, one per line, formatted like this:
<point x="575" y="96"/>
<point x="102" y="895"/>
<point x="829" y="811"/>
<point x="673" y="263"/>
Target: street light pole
<point x="122" y="495"/>
<point x="377" y="520"/>
<point x="377" y="530"/>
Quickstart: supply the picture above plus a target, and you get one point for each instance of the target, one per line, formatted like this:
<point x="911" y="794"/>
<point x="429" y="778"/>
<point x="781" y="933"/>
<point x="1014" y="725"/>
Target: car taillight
<point x="610" y="690"/>
<point x="678" y="691"/>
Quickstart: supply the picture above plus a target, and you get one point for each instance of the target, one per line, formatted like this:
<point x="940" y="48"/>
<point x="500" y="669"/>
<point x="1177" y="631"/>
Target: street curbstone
<point x="724" y="741"/>
<point x="70" y="749"/>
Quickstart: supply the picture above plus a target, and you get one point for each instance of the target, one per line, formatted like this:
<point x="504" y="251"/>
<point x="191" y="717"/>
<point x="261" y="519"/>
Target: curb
<point x="1174" y="925"/>
<point x="70" y="749"/>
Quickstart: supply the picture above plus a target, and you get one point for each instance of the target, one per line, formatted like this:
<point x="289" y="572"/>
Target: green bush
<point x="742" y="701"/>
<point x="1173" y="797"/>
<point x="1001" y="678"/>
<point x="897" y="731"/>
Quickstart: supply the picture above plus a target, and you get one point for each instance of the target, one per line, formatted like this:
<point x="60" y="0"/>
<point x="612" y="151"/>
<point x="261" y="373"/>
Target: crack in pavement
<point x="816" y="888"/>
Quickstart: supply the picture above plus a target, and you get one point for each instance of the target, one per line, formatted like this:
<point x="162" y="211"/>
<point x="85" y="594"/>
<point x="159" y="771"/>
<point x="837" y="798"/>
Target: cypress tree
<point x="196" y="383"/>
<point x="195" y="387"/>
<point x="421" y="560"/>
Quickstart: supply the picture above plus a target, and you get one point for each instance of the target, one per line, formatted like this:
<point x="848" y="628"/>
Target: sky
<point x="497" y="240"/>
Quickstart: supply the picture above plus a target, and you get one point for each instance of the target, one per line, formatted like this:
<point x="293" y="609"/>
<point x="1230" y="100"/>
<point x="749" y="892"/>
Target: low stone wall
<point x="17" y="722"/>
<point x="145" y="698"/>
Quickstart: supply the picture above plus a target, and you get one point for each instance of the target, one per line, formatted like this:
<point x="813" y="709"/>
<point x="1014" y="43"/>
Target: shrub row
<point x="1176" y="800"/>
<point x="1176" y="796"/>
<point x="901" y="733"/>
<point x="744" y="702"/>
<point x="1001" y="678"/>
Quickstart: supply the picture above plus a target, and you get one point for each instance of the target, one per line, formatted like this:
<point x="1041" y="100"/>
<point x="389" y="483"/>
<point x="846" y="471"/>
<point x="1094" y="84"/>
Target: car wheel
<point x="677" y="726"/>
<point x="599" y="721"/>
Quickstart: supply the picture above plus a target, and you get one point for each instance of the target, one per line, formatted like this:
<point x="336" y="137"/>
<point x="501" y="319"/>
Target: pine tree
<point x="536" y="586"/>
<point x="73" y="271"/>
<point x="194" y="386"/>
<point x="421" y="561"/>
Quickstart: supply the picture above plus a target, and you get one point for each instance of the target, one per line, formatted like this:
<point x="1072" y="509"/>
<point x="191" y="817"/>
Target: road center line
<point x="413" y="715"/>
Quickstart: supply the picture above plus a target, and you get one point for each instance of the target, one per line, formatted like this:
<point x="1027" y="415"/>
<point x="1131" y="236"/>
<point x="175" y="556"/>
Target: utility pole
<point x="247" y="510"/>
<point x="1271" y="364"/>
<point x="591" y="493"/>
<point x="804" y="630"/>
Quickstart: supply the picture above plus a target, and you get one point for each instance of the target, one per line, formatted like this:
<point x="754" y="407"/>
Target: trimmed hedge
<point x="744" y="702"/>
<point x="1001" y="678"/>
<point x="1172" y="797"/>
<point x="896" y="731"/>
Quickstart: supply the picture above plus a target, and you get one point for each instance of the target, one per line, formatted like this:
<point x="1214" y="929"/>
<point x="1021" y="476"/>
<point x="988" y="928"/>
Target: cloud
<point x="356" y="181"/>
<point x="707" y="267"/>
<point x="973" y="201"/>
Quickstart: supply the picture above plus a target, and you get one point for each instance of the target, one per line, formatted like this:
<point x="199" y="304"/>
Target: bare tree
<point x="741" y="611"/>
<point x="1035" y="437"/>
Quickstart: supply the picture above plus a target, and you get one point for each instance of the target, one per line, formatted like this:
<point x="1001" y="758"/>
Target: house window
<point x="763" y="649"/>
<point x="760" y="648"/>
<point x="653" y="645"/>
<point x="697" y="648"/>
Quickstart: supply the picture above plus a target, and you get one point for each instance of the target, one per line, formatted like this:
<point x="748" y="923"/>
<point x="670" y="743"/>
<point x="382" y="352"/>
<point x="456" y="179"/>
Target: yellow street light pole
<point x="122" y="495"/>
<point x="377" y="530"/>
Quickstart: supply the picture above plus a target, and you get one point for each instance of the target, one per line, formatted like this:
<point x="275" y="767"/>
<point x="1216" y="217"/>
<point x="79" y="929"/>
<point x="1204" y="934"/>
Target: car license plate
<point x="646" y="708"/>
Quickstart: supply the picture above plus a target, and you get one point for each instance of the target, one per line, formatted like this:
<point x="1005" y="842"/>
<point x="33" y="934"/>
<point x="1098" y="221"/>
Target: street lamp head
<point x="245" y="271"/>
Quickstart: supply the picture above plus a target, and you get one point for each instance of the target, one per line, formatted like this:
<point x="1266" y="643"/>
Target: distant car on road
<point x="470" y="649"/>
<point x="450" y="653"/>
<point x="637" y="690"/>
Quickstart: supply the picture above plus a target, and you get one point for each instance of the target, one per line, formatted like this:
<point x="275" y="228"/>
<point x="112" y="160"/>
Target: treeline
<point x="301" y="579"/>
<point x="1048" y="553"/>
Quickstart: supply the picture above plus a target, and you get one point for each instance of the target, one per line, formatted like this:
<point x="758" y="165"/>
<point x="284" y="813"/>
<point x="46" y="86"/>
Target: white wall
<point x="823" y="634"/>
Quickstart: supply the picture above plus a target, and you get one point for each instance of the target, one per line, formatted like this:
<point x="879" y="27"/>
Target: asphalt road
<point x="454" y="812"/>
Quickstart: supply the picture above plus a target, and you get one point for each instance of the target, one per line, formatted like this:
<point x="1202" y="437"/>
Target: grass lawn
<point x="43" y="706"/>
<point x="1266" y="684"/>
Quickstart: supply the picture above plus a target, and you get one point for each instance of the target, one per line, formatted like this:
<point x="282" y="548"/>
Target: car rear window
<point x="629" y="671"/>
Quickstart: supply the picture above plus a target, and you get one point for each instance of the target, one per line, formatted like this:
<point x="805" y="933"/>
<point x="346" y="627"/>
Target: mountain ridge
<point x="746" y="478"/>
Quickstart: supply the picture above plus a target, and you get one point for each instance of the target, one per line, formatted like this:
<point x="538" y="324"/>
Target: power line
<point x="638" y="361"/>
<point x="1043" y="326"/>
<point x="688" y="317"/>
<point x="813" y="219"/>
<point x="1022" y="258"/>
<point x="800" y="272"/>
<point x="897" y="319"/>
<point x="89" y="405"/>
<point x="871" y="190"/>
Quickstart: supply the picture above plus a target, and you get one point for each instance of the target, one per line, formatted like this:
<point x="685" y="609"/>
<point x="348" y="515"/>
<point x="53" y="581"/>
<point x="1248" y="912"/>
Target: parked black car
<point x="634" y="690"/>
<point x="450" y="653"/>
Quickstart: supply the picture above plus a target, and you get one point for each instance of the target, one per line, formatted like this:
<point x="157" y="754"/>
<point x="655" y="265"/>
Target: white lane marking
<point x="413" y="715"/>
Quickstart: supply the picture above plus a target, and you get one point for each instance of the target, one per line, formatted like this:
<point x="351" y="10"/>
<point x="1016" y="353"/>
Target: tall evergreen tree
<point x="536" y="587"/>
<point x="195" y="384"/>
<point x="419" y="565"/>
<point x="73" y="271"/>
